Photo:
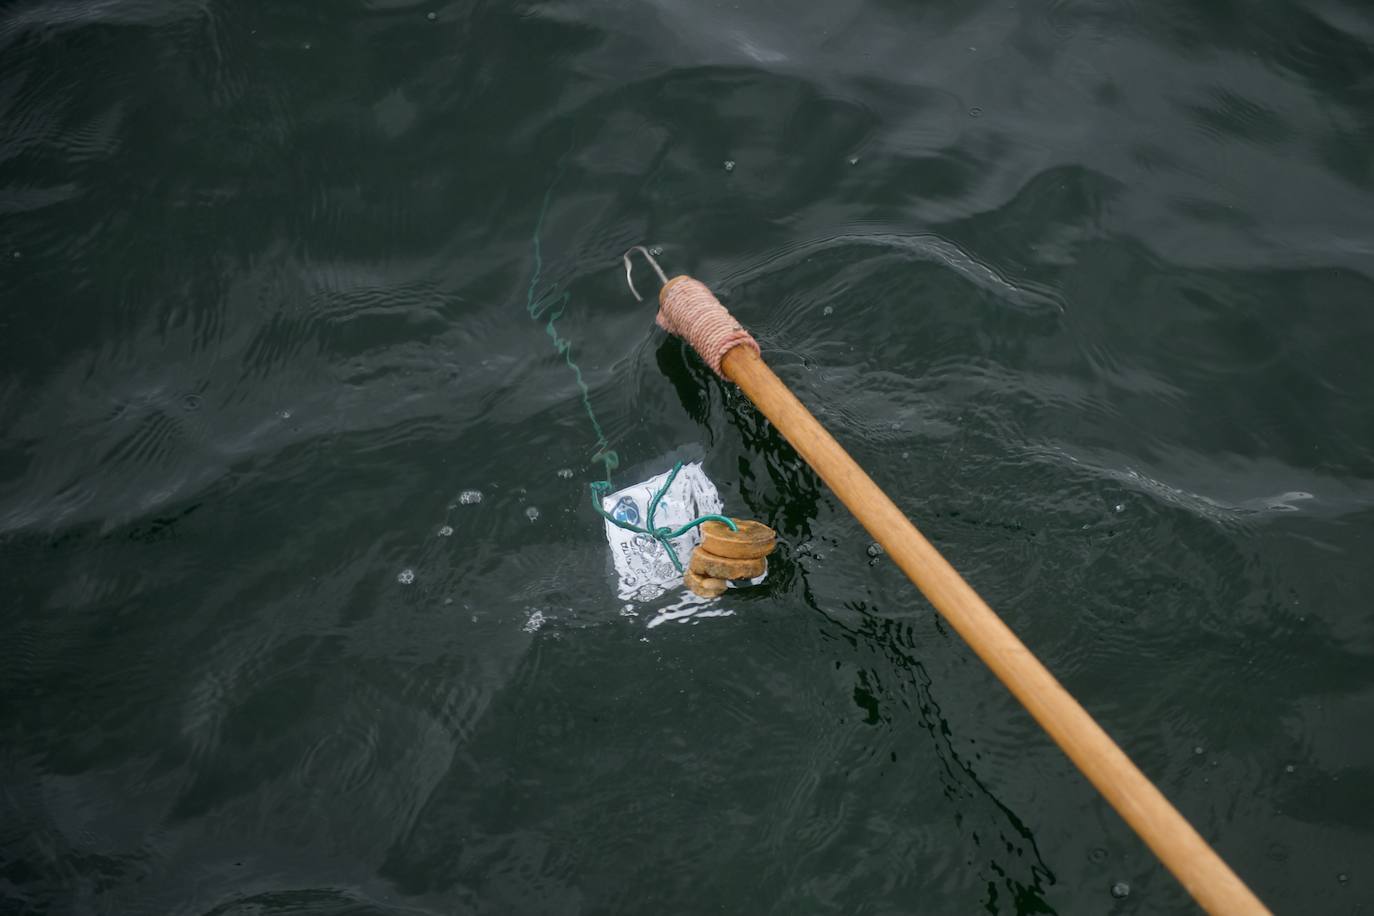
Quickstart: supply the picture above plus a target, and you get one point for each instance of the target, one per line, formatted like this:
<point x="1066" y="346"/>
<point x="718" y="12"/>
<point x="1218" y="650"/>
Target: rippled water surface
<point x="306" y="610"/>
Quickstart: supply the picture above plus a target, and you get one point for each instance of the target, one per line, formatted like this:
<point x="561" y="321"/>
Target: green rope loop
<point x="664" y="534"/>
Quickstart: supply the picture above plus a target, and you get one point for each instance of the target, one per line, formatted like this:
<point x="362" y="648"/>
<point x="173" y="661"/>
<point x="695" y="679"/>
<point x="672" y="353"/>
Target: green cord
<point x="549" y="306"/>
<point x="663" y="535"/>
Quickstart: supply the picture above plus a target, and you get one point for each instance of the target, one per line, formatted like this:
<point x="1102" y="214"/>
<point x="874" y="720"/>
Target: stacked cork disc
<point x="723" y="555"/>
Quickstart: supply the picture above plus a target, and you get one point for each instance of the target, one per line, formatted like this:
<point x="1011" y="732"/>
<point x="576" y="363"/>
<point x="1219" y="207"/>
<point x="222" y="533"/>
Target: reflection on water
<point x="307" y="608"/>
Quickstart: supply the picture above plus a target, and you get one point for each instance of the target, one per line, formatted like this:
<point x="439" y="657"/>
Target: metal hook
<point x="629" y="269"/>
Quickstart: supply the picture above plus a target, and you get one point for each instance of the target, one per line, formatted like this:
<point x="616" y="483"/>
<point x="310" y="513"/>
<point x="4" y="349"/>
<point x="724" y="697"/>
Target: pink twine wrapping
<point x="691" y="311"/>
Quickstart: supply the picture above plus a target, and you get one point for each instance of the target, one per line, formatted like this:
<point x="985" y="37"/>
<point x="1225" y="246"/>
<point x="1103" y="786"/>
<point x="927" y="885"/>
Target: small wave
<point x="23" y="200"/>
<point x="61" y="16"/>
<point x="926" y="247"/>
<point x="1228" y="503"/>
<point x="98" y="137"/>
<point x="344" y="759"/>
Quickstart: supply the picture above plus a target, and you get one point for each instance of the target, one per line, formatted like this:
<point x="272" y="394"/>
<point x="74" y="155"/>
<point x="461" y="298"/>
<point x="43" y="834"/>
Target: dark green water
<point x="1089" y="286"/>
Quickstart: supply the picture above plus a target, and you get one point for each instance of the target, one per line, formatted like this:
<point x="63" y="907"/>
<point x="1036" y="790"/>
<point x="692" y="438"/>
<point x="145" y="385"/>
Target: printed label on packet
<point x="641" y="563"/>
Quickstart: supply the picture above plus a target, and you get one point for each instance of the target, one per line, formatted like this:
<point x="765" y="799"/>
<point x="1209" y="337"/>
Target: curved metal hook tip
<point x="629" y="269"/>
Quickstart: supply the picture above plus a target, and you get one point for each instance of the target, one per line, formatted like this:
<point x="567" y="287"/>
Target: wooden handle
<point x="1200" y="870"/>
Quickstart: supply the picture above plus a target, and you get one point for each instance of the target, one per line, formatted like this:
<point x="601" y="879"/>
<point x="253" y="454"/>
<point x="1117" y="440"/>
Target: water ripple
<point x="930" y="248"/>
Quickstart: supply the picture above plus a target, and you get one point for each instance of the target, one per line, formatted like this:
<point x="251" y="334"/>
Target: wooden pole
<point x="1200" y="870"/>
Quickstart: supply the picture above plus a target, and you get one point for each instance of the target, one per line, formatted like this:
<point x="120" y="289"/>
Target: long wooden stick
<point x="1201" y="871"/>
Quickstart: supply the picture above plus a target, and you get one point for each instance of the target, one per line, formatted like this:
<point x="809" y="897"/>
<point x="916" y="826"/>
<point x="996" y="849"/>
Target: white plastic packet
<point x="641" y="564"/>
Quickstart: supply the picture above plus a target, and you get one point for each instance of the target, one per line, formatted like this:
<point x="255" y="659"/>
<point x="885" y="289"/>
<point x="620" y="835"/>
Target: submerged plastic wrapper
<point x="641" y="564"/>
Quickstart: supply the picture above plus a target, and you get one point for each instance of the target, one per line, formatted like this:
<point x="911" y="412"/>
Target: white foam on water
<point x="688" y="609"/>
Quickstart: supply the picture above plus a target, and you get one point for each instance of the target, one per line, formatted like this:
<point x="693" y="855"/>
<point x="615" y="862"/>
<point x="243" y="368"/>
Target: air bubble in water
<point x="405" y="576"/>
<point x="1121" y="889"/>
<point x="565" y="473"/>
<point x="853" y="160"/>
<point x="446" y="531"/>
<point x="875" y="549"/>
<point x="535" y="621"/>
<point x="431" y="16"/>
<point x="656" y="250"/>
<point x="469" y="497"/>
<point x="283" y="414"/>
<point x="729" y="165"/>
<point x="532" y="513"/>
<point x="828" y="310"/>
